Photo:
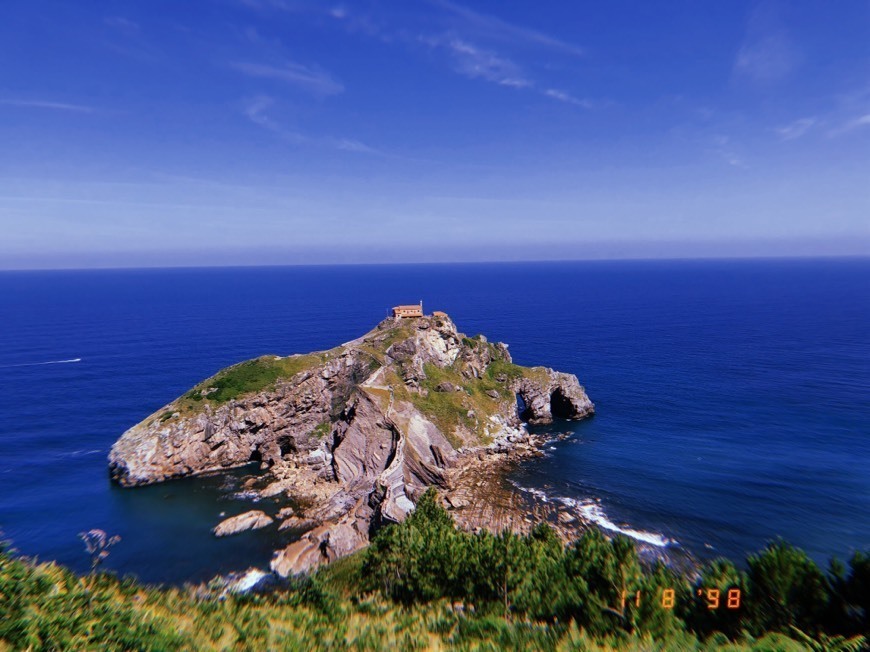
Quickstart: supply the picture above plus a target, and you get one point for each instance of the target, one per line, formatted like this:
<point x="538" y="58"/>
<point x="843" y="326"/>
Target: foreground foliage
<point x="601" y="585"/>
<point x="426" y="585"/>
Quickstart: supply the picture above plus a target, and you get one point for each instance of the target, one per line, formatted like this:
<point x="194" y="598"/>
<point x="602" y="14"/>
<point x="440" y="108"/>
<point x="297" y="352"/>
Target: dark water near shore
<point x="733" y="397"/>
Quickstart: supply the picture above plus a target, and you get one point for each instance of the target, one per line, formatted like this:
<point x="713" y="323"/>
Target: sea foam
<point x="590" y="510"/>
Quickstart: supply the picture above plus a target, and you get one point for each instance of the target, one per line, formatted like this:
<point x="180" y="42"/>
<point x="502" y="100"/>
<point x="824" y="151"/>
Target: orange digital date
<point x="713" y="598"/>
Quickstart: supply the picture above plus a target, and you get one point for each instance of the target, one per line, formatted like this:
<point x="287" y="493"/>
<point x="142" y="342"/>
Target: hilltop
<point x="352" y="437"/>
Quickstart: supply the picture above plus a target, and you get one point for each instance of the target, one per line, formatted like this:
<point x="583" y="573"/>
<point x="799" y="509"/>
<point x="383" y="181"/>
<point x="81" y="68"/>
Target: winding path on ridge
<point x="391" y="479"/>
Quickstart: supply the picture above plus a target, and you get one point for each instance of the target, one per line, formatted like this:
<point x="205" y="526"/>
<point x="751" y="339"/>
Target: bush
<point x="785" y="589"/>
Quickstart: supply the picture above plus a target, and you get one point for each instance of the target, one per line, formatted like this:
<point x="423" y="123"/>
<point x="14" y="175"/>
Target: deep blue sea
<point x="733" y="397"/>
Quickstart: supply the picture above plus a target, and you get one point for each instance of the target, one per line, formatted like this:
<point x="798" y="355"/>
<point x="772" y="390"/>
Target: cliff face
<point x="355" y="433"/>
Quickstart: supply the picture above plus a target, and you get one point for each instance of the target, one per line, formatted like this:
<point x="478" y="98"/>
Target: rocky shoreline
<point x="478" y="495"/>
<point x="351" y="437"/>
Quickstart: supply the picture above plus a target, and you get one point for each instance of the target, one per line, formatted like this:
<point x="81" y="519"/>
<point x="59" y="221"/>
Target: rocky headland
<point x="349" y="438"/>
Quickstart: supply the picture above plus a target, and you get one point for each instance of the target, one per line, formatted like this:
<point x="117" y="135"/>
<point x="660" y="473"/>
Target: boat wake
<point x="590" y="510"/>
<point x="39" y="364"/>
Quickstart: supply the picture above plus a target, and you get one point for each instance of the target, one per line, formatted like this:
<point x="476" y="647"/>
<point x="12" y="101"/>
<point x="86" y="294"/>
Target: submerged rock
<point x="351" y="436"/>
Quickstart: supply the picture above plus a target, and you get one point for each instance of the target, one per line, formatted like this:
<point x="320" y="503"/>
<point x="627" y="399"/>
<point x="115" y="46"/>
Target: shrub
<point x="786" y="589"/>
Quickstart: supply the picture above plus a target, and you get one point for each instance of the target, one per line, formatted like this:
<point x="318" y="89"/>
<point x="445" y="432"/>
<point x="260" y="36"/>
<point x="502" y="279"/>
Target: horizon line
<point x="784" y="257"/>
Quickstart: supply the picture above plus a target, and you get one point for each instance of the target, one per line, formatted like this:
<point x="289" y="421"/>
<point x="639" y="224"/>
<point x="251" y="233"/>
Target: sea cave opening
<point x="523" y="411"/>
<point x="560" y="406"/>
<point x="287" y="446"/>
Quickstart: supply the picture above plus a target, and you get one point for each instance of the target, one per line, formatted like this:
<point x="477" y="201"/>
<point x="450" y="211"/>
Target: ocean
<point x="733" y="397"/>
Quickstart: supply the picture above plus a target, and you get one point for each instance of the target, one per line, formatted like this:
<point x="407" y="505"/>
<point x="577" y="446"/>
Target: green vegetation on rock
<point x="480" y="396"/>
<point x="321" y="430"/>
<point x="250" y="377"/>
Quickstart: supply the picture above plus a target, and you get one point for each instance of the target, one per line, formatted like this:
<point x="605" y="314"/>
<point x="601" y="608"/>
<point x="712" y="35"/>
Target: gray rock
<point x="297" y="523"/>
<point x="456" y="502"/>
<point x="253" y="520"/>
<point x="320" y="546"/>
<point x="552" y="394"/>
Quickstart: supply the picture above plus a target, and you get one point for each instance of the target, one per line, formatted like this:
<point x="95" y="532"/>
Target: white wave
<point x="80" y="453"/>
<point x="537" y="493"/>
<point x="248" y="580"/>
<point x="253" y="496"/>
<point x="591" y="510"/>
<point x="39" y="364"/>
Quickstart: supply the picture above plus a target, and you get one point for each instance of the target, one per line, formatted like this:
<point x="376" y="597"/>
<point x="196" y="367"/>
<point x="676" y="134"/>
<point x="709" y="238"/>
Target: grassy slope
<point x="261" y="374"/>
<point x="46" y="607"/>
<point x="242" y="379"/>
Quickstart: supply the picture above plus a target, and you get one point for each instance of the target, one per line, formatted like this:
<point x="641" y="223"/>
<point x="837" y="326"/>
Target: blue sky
<point x="228" y="132"/>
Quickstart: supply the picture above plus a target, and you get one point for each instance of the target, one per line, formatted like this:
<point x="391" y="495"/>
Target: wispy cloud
<point x="451" y="29"/>
<point x="768" y="59"/>
<point x="497" y="28"/>
<point x="851" y="125"/>
<point x="351" y="145"/>
<point x="863" y="121"/>
<point x="312" y="80"/>
<point x="43" y="104"/>
<point x="767" y="53"/>
<point x="460" y="18"/>
<point x="257" y="110"/>
<point x="562" y="96"/>
<point x="796" y="129"/>
<point x="723" y="147"/>
<point x="121" y="23"/>
<point x="126" y="37"/>
<point x="477" y="63"/>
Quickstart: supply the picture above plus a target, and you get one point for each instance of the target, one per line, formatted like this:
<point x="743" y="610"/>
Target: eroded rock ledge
<point x="351" y="437"/>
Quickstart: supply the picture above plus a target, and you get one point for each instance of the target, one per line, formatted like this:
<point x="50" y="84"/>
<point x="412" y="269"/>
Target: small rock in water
<point x="253" y="520"/>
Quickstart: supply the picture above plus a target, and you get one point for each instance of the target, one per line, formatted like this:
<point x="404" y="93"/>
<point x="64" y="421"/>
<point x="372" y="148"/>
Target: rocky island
<point x="351" y="437"/>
